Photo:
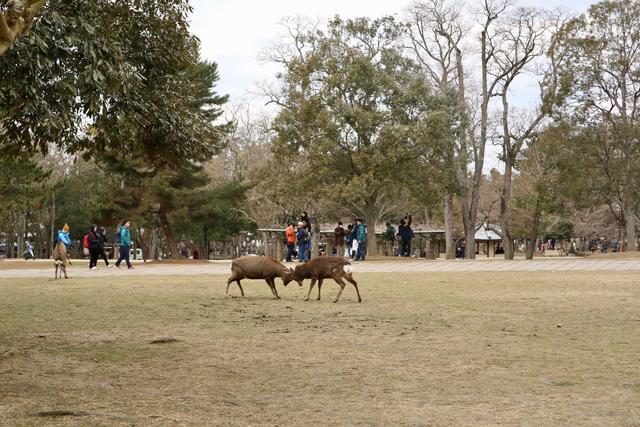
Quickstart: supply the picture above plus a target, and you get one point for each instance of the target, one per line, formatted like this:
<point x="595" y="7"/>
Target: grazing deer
<point x="61" y="259"/>
<point x="258" y="267"/>
<point x="318" y="269"/>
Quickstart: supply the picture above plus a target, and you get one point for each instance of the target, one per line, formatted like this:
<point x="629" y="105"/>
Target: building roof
<point x="486" y="233"/>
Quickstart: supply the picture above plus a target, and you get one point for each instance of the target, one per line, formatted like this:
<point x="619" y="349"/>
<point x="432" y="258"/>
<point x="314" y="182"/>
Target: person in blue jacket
<point x="64" y="236"/>
<point x="125" y="244"/>
<point x="361" y="236"/>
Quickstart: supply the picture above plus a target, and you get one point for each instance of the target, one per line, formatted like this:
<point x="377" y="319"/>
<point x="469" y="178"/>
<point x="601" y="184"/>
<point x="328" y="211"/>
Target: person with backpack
<point x="389" y="239"/>
<point x="91" y="244"/>
<point x="290" y="237"/>
<point x="123" y="238"/>
<point x="302" y="238"/>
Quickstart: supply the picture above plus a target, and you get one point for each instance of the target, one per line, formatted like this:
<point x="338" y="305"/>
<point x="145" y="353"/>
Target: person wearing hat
<point x="64" y="236"/>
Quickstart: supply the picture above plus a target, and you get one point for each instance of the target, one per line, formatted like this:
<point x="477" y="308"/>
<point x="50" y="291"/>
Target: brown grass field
<point x="439" y="349"/>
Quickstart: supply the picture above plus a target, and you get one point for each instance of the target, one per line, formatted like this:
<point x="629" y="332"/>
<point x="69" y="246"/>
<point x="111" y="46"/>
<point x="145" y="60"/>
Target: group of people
<point x="403" y="237"/>
<point x="354" y="238"/>
<point x="299" y="238"/>
<point x="350" y="242"/>
<point x="603" y="245"/>
<point x="94" y="241"/>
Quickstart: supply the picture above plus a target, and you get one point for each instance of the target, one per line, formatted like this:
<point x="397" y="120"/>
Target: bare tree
<point x="435" y="34"/>
<point x="523" y="38"/>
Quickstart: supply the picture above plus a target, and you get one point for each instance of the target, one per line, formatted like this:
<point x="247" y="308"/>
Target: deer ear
<point x="291" y="269"/>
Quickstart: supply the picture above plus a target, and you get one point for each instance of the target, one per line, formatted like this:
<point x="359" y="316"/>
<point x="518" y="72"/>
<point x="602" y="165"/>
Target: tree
<point x="16" y="17"/>
<point x="164" y="162"/>
<point x="604" y="63"/>
<point x="436" y="35"/>
<point x="90" y="75"/>
<point x="23" y="190"/>
<point x="354" y="115"/>
<point x="539" y="188"/>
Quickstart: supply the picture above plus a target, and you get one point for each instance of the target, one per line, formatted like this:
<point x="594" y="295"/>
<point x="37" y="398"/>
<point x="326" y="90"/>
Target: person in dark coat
<point x="94" y="250"/>
<point x="406" y="234"/>
<point x="102" y="239"/>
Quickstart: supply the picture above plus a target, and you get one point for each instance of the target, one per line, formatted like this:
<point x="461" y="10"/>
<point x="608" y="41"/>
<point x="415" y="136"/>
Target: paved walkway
<point x="79" y="268"/>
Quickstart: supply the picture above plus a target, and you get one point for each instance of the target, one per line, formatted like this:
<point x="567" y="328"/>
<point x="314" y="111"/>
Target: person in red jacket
<point x="290" y="236"/>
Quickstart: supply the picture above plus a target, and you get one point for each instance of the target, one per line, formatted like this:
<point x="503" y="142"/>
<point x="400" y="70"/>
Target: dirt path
<point x="79" y="268"/>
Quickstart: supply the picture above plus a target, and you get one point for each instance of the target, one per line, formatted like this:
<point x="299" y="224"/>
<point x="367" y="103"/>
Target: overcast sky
<point x="234" y="32"/>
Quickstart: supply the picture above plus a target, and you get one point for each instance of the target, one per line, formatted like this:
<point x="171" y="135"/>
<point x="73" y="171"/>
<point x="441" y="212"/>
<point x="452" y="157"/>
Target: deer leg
<point x="341" y="283"/>
<point x="56" y="276"/>
<point x="313" y="282"/>
<point x="229" y="281"/>
<point x="272" y="285"/>
<point x="240" y="286"/>
<point x="64" y="270"/>
<point x="319" y="286"/>
<point x="350" y="279"/>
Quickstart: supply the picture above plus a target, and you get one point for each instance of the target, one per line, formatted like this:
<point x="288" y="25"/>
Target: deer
<point x="318" y="269"/>
<point x="259" y="267"/>
<point x="61" y="259"/>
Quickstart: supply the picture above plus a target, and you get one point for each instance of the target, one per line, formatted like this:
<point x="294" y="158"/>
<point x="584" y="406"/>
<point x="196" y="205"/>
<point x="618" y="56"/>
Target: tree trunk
<point x="21" y="234"/>
<point x="144" y="236"/>
<point x="630" y="229"/>
<point x="448" y="227"/>
<point x="505" y="198"/>
<point x="53" y="225"/>
<point x="535" y="229"/>
<point x="372" y="243"/>
<point x="469" y="214"/>
<point x="315" y="234"/>
<point x="153" y="245"/>
<point x="168" y="234"/>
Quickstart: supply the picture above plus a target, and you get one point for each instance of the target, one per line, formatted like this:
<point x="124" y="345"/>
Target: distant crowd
<point x="350" y="242"/>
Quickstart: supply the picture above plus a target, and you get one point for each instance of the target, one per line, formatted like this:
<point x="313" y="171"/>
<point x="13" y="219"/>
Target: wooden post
<point x="428" y="246"/>
<point x="491" y="250"/>
<point x="279" y="247"/>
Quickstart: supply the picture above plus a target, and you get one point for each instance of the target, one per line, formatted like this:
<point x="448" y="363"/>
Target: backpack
<point x="85" y="241"/>
<point x="118" y="235"/>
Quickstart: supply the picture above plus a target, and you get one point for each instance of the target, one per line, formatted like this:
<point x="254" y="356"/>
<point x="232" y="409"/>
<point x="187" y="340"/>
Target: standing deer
<point x="318" y="269"/>
<point x="61" y="259"/>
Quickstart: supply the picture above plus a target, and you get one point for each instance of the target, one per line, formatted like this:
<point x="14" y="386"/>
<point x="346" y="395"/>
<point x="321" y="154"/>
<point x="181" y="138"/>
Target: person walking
<point x="102" y="239"/>
<point x="389" y="238"/>
<point x="125" y="244"/>
<point x="406" y="234"/>
<point x="302" y="238"/>
<point x="361" y="236"/>
<point x="290" y="238"/>
<point x="338" y="239"/>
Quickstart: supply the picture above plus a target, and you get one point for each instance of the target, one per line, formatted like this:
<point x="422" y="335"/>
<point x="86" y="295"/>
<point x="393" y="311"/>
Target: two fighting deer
<point x="318" y="269"/>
